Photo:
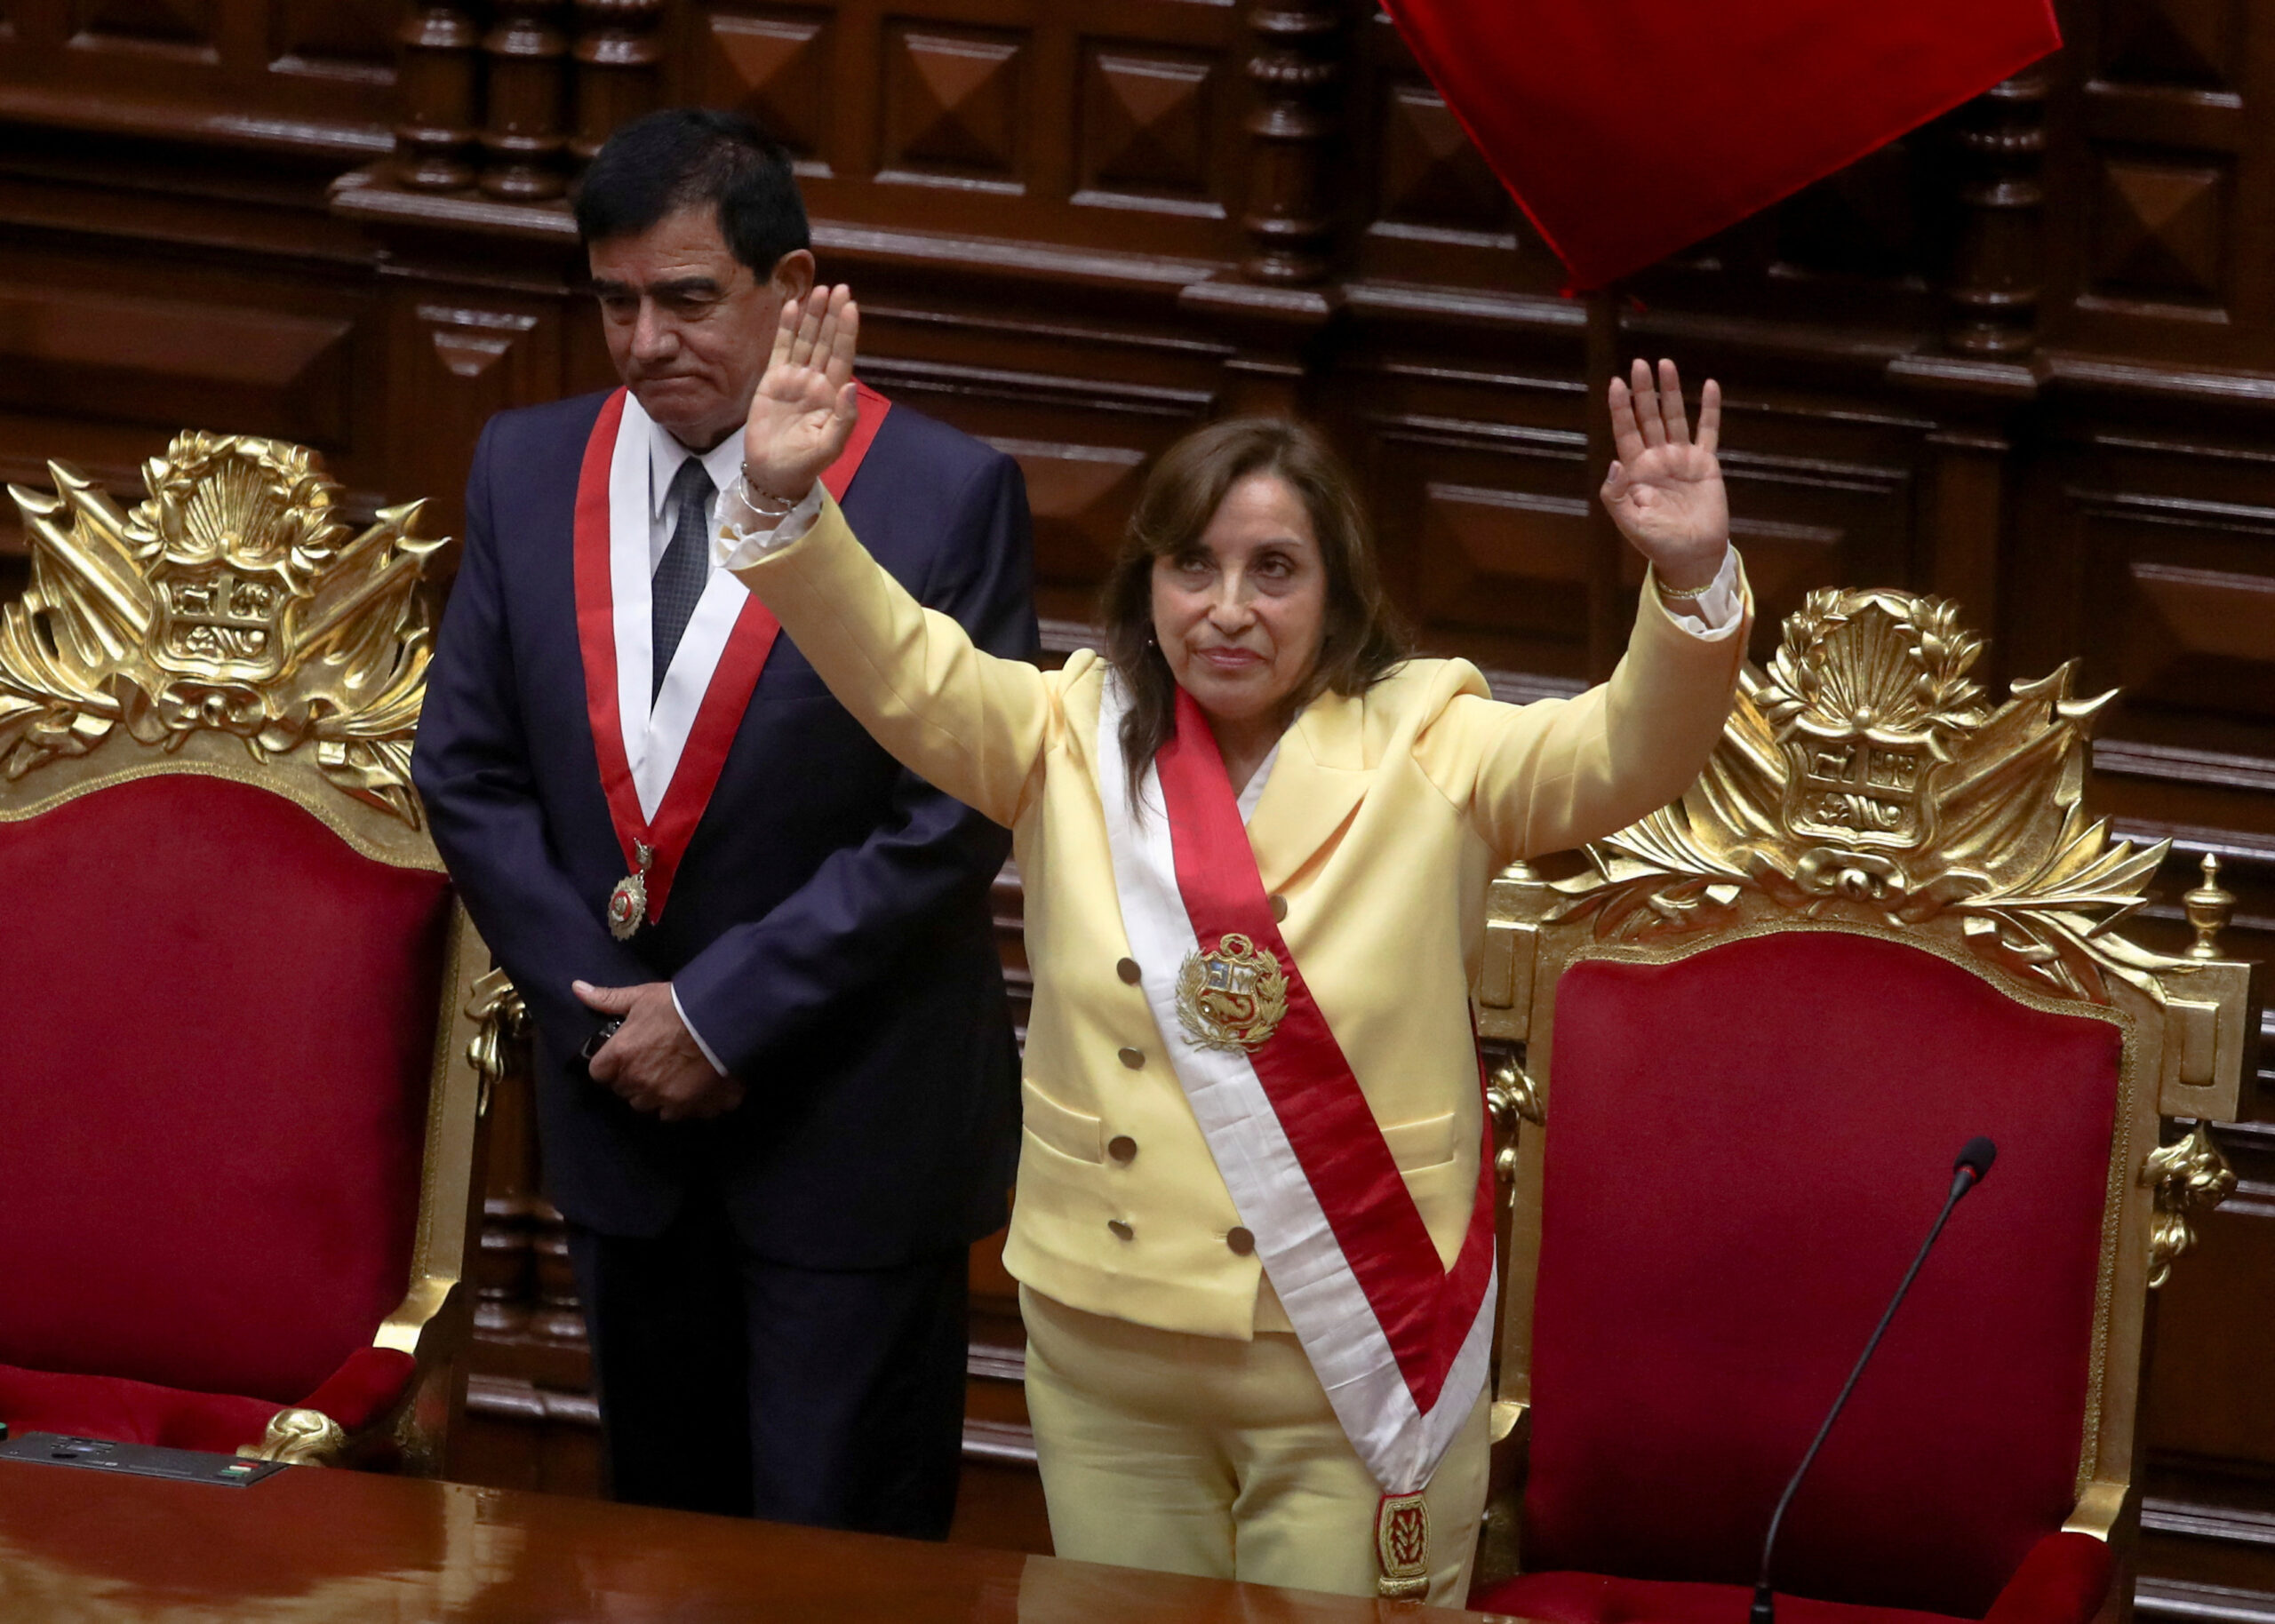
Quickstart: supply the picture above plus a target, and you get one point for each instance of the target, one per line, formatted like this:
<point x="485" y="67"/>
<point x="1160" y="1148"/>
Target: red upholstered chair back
<point x="1749" y="1145"/>
<point x="216" y="1088"/>
<point x="240" y="1072"/>
<point x="1757" y="1028"/>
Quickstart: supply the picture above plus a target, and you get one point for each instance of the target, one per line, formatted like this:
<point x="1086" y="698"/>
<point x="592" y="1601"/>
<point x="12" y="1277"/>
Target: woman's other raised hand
<point x="1665" y="487"/>
<point x="806" y="405"/>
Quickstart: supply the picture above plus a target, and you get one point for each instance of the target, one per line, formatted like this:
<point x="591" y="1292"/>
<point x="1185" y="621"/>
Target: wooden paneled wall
<point x="2024" y="357"/>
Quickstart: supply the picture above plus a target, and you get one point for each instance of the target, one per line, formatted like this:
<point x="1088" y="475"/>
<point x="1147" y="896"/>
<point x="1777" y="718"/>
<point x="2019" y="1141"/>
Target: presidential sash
<point x="1400" y="1342"/>
<point x="659" y="763"/>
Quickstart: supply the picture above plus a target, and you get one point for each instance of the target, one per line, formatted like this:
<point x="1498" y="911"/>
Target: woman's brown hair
<point x="1361" y="639"/>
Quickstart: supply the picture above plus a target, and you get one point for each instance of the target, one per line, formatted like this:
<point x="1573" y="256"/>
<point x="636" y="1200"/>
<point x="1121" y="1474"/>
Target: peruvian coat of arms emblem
<point x="1233" y="996"/>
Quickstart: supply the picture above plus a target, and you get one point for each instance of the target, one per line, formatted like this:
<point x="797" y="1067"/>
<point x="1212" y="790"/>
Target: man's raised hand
<point x="805" y="408"/>
<point x="1663" y="489"/>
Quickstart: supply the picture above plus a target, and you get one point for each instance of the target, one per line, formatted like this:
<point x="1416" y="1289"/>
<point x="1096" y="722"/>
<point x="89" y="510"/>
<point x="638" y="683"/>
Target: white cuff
<point x="744" y="535"/>
<point x="1713" y="614"/>
<point x="697" y="1036"/>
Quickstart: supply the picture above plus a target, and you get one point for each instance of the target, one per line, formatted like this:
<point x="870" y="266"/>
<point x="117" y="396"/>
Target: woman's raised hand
<point x="1664" y="489"/>
<point x="805" y="408"/>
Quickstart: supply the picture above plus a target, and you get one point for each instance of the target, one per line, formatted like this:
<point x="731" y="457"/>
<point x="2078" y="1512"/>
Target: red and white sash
<point x="1399" y="1343"/>
<point x="659" y="764"/>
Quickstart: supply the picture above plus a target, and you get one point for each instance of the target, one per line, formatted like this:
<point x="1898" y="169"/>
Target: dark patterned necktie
<point x="686" y="567"/>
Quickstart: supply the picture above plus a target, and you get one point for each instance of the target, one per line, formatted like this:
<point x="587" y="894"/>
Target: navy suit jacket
<point x="828" y="932"/>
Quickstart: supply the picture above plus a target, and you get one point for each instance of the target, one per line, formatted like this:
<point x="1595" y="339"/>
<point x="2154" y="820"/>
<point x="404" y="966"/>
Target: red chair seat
<point x="128" y="1412"/>
<point x="2062" y="1582"/>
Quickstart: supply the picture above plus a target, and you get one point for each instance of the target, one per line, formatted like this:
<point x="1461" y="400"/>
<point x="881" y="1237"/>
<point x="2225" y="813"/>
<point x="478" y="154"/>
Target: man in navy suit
<point x="777" y="1090"/>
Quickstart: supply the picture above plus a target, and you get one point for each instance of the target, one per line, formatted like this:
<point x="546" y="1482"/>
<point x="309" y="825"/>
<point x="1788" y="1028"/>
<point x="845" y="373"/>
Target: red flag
<point x="1628" y="129"/>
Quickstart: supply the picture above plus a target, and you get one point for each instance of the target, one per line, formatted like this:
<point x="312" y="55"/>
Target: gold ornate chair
<point x="1756" y="1028"/>
<point x="251" y="1031"/>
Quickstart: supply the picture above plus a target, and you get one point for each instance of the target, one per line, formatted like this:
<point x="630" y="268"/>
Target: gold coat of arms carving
<point x="234" y="600"/>
<point x="1865" y="768"/>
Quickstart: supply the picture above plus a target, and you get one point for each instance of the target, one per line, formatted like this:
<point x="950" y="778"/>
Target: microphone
<point x="1971" y="1167"/>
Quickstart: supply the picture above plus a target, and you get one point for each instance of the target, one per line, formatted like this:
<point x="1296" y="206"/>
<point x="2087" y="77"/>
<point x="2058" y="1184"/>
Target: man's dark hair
<point x="687" y="157"/>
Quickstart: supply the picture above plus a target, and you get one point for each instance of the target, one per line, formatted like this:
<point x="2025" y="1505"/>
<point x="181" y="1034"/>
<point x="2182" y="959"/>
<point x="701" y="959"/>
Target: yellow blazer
<point x="1382" y="821"/>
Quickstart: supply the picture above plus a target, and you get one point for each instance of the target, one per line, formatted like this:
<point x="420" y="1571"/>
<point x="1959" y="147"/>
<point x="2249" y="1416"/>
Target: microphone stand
<point x="1964" y="1178"/>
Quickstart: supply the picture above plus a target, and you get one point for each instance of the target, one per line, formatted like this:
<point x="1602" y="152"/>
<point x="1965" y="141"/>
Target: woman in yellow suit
<point x="1253" y="1229"/>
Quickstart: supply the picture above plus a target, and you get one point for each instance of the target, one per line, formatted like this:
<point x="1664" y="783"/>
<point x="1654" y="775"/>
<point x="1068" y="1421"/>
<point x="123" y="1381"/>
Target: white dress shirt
<point x="724" y="462"/>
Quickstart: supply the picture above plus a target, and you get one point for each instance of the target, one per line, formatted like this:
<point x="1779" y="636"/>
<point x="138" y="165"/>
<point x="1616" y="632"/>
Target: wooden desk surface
<point x="313" y="1544"/>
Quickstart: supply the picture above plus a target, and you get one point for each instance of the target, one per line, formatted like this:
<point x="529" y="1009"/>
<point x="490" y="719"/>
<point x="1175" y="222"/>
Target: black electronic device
<point x="598" y="1041"/>
<point x="1968" y="1170"/>
<point x="136" y="1460"/>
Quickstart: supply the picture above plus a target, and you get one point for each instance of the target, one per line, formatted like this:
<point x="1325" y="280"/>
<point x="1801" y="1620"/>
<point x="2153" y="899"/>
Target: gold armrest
<point x="1508" y="1415"/>
<point x="2098" y="1510"/>
<point x="420" y="1317"/>
<point x="298" y="1438"/>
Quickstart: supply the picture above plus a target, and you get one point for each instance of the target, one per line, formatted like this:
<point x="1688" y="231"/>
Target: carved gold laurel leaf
<point x="1863" y="772"/>
<point x="2190" y="1177"/>
<point x="234" y="600"/>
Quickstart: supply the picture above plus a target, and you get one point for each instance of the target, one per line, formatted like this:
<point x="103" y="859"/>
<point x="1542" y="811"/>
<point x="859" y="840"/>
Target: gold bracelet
<point x="771" y="514"/>
<point x="1677" y="594"/>
<point x="769" y="506"/>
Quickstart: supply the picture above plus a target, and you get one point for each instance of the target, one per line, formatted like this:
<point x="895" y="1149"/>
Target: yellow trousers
<point x="1201" y="1455"/>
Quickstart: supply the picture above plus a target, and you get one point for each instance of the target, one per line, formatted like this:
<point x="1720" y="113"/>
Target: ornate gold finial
<point x="232" y="600"/>
<point x="498" y="1005"/>
<point x="2210" y="906"/>
<point x="2190" y="1177"/>
<point x="298" y="1438"/>
<point x="1511" y="1096"/>
<point x="1864" y="772"/>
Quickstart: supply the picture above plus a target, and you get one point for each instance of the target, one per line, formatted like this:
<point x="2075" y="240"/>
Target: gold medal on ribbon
<point x="627" y="904"/>
<point x="1233" y="996"/>
<point x="1402" y="1545"/>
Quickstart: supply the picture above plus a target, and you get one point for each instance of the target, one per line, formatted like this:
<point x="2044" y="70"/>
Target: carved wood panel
<point x="1150" y="123"/>
<point x="955" y="107"/>
<point x="772" y="65"/>
<point x="1488" y="553"/>
<point x="158" y="361"/>
<point x="314" y="74"/>
<point x="341" y="40"/>
<point x="2157" y="566"/>
<point x="103" y="360"/>
<point x="2166" y="171"/>
<point x="1021" y="119"/>
<point x="1432" y="210"/>
<point x="463" y="356"/>
<point x="166" y="26"/>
